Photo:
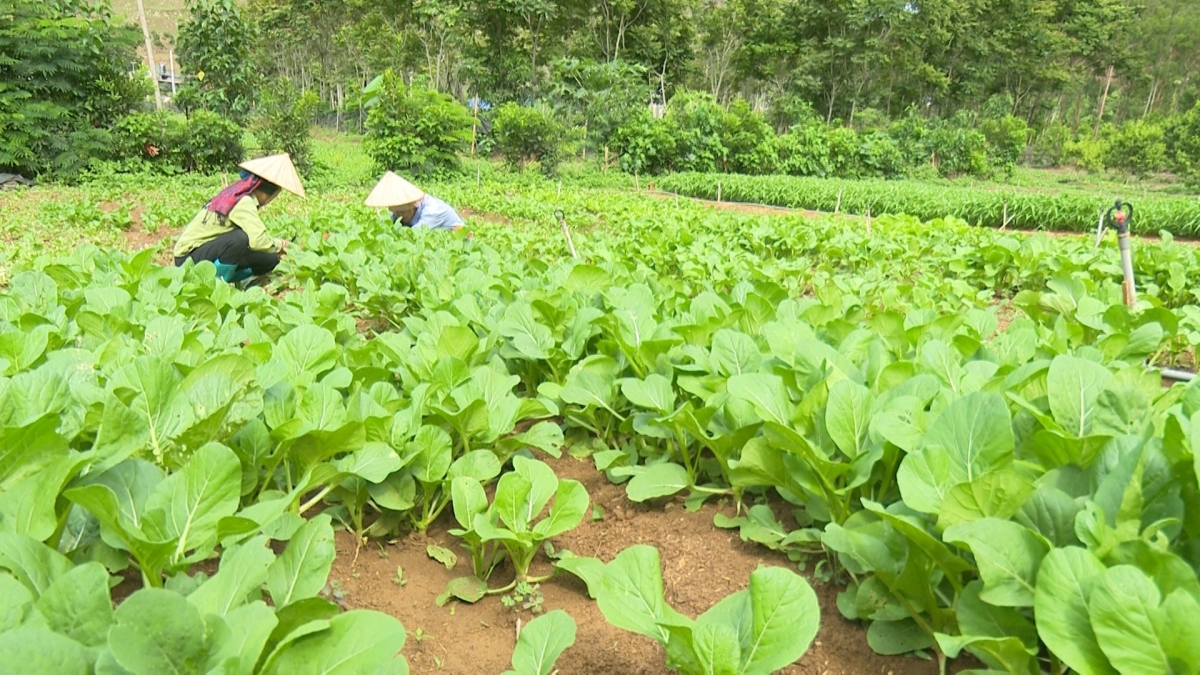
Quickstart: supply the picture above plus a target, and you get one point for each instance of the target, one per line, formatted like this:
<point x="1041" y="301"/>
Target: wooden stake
<point x="837" y="208"/>
<point x="636" y="183"/>
<point x="606" y="159"/>
<point x="560" y="187"/>
<point x="141" y="10"/>
<point x="1004" y="216"/>
<point x="718" y="191"/>
<point x="567" y="235"/>
<point x="868" y="221"/>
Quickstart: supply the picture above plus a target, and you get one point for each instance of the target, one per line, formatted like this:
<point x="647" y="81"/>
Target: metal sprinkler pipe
<point x="1120" y="217"/>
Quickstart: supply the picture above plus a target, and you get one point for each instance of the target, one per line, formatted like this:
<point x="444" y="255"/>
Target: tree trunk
<point x="1103" y="99"/>
<point x="141" y="9"/>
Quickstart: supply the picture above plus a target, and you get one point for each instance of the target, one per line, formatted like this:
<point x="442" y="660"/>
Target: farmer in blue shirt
<point x="412" y="207"/>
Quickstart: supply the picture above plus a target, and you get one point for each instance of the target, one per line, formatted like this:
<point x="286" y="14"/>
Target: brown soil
<point x="701" y="565"/>
<point x="468" y="214"/>
<point x="741" y="207"/>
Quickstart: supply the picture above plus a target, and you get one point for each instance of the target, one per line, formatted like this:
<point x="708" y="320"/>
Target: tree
<point x="214" y="51"/>
<point x="65" y="77"/>
<point x="414" y="130"/>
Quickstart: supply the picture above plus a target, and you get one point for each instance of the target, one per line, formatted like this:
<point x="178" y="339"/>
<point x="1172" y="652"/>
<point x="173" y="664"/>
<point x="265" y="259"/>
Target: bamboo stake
<point x="837" y="208"/>
<point x="868" y="221"/>
<point x="562" y="221"/>
<point x="718" y="191"/>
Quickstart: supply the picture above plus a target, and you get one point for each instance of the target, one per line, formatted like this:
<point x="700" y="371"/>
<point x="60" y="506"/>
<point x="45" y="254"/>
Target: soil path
<point x="701" y="565"/>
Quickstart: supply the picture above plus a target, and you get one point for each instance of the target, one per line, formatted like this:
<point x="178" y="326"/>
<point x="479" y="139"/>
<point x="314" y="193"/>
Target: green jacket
<point x="207" y="226"/>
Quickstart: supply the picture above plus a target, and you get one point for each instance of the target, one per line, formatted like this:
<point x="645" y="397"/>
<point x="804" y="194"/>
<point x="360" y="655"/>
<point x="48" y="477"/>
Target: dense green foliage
<point x="205" y="142"/>
<point x="214" y="47"/>
<point x="963" y="419"/>
<point x="64" y="79"/>
<point x="284" y="120"/>
<point x="525" y="135"/>
<point x="414" y="130"/>
<point x="1026" y="210"/>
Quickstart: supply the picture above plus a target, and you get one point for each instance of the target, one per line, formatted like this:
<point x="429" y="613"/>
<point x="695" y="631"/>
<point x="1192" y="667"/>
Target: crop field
<point x="714" y="442"/>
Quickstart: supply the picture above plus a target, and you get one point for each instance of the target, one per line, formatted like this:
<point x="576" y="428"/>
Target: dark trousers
<point x="233" y="248"/>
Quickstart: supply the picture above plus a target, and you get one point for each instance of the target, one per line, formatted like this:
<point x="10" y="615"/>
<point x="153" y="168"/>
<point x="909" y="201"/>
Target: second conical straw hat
<point x="277" y="169"/>
<point x="392" y="190"/>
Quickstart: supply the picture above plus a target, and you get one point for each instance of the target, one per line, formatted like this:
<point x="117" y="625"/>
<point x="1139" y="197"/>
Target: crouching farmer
<point x="411" y="207"/>
<point x="228" y="231"/>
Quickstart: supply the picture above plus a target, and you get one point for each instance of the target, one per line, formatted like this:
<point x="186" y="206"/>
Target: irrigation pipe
<point x="1176" y="375"/>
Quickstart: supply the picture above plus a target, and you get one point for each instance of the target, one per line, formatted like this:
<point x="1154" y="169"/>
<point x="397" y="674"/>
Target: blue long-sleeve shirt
<point x="434" y="214"/>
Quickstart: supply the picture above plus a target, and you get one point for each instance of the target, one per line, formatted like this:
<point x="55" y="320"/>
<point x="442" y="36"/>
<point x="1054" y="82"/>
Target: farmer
<point x="411" y="206"/>
<point x="228" y="231"/>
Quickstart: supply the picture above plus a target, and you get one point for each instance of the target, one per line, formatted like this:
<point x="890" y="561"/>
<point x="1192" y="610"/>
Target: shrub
<point x="912" y="134"/>
<point x="843" y="151"/>
<point x="1049" y="149"/>
<point x="212" y="143"/>
<point x="698" y="119"/>
<point x="64" y="80"/>
<point x="1138" y="148"/>
<point x="1182" y="136"/>
<point x="958" y="149"/>
<point x="1086" y="153"/>
<point x="804" y="151"/>
<point x="285" y="118"/>
<point x="880" y="156"/>
<point x="158" y="139"/>
<point x="646" y="144"/>
<point x="414" y="130"/>
<point x="749" y="143"/>
<point x="1006" y="139"/>
<point x="206" y="143"/>
<point x="525" y="135"/>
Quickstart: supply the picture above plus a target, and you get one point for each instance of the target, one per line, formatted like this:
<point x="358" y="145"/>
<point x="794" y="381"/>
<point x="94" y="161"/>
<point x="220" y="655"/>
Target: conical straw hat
<point x="277" y="169"/>
<point x="392" y="190"/>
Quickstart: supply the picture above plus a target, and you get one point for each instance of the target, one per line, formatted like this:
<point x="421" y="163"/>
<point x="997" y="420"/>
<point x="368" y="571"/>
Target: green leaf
<point x="658" y="480"/>
<point x="77" y="605"/>
<point x="998" y="494"/>
<point x="970" y="438"/>
<point x="374" y="462"/>
<point x="431" y="450"/>
<point x="1008" y="556"/>
<point x="653" y="393"/>
<point x="306" y="352"/>
<point x="897" y="637"/>
<point x="34" y="564"/>
<point x="468" y="500"/>
<point x="478" y="465"/>
<point x="15" y="603"/>
<point x="785" y="619"/>
<point x="734" y="353"/>
<point x="978" y="618"/>
<point x="187" y="505"/>
<point x="630" y="595"/>
<point x="303" y="568"/>
<point x="442" y="555"/>
<point x="42" y="652"/>
<point x="250" y="627"/>
<point x="847" y="416"/>
<point x="243" y="570"/>
<point x="530" y="338"/>
<point x="541" y="642"/>
<point x="567" y="511"/>
<point x="360" y="641"/>
<point x="589" y="570"/>
<point x="766" y="393"/>
<point x="1131" y="628"/>
<point x="157" y="631"/>
<point x="1073" y="386"/>
<point x="470" y="589"/>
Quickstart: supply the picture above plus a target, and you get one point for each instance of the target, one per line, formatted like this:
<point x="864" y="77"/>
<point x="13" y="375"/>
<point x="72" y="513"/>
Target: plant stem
<point x="315" y="500"/>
